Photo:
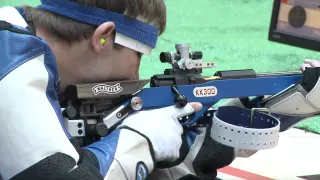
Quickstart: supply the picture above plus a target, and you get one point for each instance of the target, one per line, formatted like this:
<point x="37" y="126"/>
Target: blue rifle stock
<point x="157" y="97"/>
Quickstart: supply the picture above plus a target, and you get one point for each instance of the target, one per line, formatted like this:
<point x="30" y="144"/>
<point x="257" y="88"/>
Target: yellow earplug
<point x="102" y="41"/>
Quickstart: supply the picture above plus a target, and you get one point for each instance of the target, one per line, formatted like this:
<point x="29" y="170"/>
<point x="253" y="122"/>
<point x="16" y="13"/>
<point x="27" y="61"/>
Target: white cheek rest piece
<point x="314" y="96"/>
<point x="298" y="103"/>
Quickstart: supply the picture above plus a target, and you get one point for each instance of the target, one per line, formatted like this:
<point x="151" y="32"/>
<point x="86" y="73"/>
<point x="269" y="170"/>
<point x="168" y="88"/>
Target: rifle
<point x="94" y="110"/>
<point x="89" y="106"/>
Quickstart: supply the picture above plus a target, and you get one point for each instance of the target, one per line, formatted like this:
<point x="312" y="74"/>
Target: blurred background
<point x="234" y="34"/>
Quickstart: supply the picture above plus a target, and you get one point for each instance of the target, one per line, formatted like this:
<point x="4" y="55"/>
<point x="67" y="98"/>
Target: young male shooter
<point x="40" y="46"/>
<point x="81" y="44"/>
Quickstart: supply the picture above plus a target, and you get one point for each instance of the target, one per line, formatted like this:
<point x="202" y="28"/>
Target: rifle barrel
<point x="287" y="73"/>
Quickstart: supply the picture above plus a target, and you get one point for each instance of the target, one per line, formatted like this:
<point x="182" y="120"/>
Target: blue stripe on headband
<point x="144" y="33"/>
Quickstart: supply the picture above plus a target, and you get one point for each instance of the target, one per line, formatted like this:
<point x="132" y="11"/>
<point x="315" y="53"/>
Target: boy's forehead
<point x="132" y="44"/>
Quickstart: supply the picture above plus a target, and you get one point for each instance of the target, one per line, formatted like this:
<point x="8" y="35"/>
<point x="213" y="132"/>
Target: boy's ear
<point x="102" y="36"/>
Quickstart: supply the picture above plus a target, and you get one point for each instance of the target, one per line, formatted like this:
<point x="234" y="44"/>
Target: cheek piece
<point x="136" y="30"/>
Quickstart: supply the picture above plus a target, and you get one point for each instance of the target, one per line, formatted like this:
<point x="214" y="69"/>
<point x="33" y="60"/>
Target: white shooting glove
<point x="162" y="128"/>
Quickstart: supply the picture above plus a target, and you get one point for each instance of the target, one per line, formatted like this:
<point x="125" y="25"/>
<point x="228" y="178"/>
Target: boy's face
<point x="116" y="63"/>
<point x="91" y="61"/>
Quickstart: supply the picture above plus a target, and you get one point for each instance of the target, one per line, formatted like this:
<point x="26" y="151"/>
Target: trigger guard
<point x="195" y="117"/>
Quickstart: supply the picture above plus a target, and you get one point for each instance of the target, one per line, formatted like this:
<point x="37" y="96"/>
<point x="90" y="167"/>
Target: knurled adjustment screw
<point x="70" y="112"/>
<point x="102" y="129"/>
